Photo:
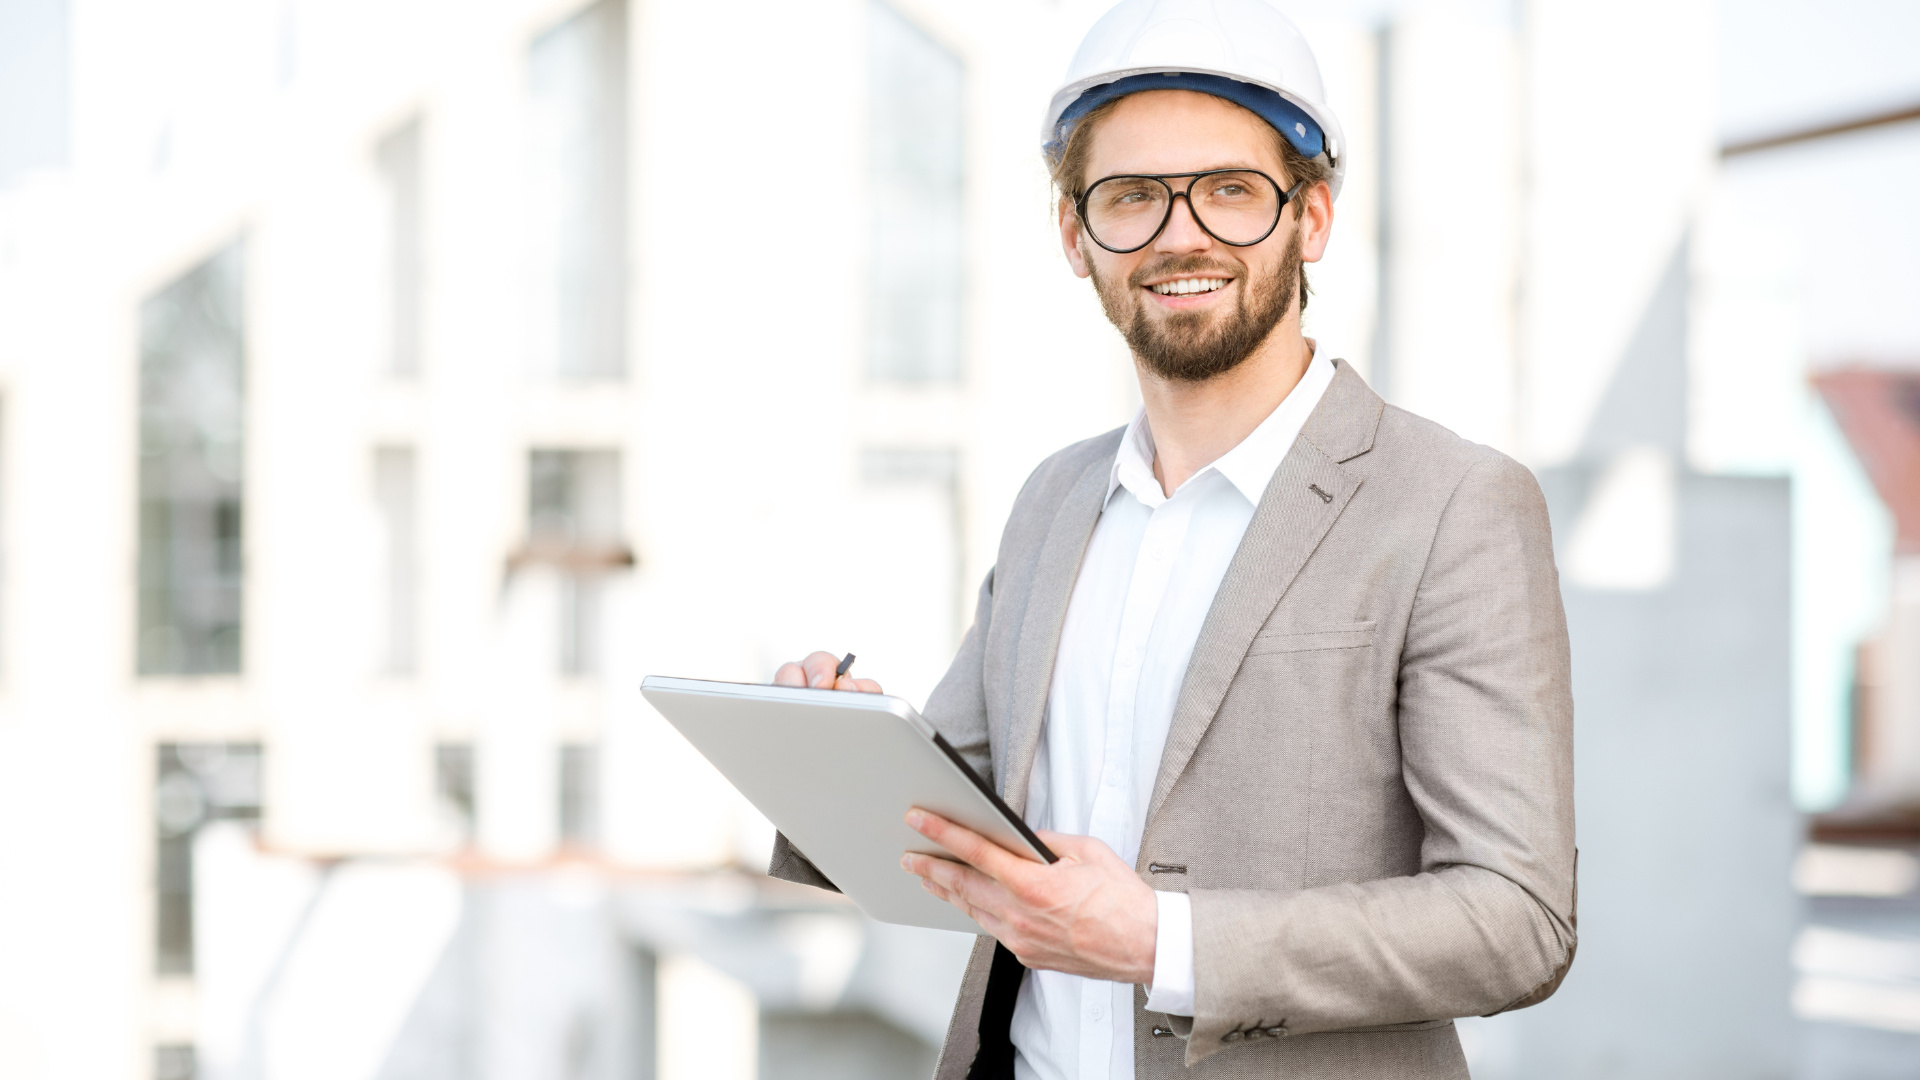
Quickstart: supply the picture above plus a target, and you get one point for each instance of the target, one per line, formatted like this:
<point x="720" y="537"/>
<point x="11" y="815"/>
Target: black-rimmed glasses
<point x="1239" y="207"/>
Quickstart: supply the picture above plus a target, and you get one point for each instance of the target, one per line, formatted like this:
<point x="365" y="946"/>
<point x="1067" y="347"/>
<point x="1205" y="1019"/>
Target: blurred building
<point x="419" y="378"/>
<point x="1879" y="413"/>
<point x="386" y="388"/>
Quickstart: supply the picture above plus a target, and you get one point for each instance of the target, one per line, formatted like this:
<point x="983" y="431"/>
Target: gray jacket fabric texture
<point x="1367" y="788"/>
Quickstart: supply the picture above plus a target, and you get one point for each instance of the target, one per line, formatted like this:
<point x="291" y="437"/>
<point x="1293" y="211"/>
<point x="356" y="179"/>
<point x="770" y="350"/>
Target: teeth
<point x="1188" y="286"/>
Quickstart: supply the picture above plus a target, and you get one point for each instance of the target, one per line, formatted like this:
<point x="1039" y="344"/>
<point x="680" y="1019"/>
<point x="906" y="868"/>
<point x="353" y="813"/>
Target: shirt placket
<point x="1112" y="815"/>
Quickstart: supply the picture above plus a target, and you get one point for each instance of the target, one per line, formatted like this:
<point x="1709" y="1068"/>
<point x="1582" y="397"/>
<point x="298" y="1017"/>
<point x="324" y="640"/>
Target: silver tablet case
<point x="836" y="771"/>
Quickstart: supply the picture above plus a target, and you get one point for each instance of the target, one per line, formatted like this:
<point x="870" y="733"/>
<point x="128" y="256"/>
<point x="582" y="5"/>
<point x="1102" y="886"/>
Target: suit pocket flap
<point x="1356" y="636"/>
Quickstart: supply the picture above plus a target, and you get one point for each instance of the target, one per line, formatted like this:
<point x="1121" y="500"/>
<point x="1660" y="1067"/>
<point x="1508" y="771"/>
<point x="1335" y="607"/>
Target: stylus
<point x="845" y="666"/>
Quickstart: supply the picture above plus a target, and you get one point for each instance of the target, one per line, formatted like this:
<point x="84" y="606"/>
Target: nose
<point x="1183" y="231"/>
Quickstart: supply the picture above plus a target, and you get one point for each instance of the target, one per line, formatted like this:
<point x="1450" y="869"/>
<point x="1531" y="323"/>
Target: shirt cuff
<point x="1172" y="989"/>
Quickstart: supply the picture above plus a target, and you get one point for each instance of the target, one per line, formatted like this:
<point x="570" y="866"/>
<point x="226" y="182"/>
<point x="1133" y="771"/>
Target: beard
<point x="1194" y="346"/>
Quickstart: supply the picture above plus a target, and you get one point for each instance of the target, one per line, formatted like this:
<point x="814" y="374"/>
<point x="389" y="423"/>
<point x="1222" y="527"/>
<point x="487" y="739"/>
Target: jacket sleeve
<point x="1486" y="736"/>
<point x="957" y="709"/>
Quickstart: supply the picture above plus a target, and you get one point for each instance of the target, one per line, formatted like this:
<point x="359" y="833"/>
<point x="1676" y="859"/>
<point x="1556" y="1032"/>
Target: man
<point x="1282" y="671"/>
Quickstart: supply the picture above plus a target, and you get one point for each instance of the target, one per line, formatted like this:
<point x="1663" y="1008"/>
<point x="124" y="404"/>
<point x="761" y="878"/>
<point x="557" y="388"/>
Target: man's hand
<point x="817" y="671"/>
<point x="1088" y="914"/>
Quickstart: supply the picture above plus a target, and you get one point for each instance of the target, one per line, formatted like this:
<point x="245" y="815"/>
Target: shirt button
<point x="1095" y="1013"/>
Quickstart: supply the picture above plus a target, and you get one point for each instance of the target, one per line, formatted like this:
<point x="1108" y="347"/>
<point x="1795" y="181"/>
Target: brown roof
<point x="1879" y="412"/>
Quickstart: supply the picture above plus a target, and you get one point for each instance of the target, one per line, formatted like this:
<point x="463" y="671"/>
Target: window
<point x="937" y="538"/>
<point x="915" y="159"/>
<point x="194" y="783"/>
<point x="453" y="788"/>
<point x="398" y="158"/>
<point x="192" y="450"/>
<point x="394" y="487"/>
<point x="579" y="795"/>
<point x="573" y="523"/>
<point x="577" y="83"/>
<point x="175" y="1063"/>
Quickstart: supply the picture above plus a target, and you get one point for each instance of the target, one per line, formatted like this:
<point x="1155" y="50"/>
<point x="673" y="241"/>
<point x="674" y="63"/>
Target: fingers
<point x="1077" y="848"/>
<point x="944" y="873"/>
<point x="820" y="669"/>
<point x="960" y="885"/>
<point x="975" y="850"/>
<point x="993" y="924"/>
<point x="953" y="898"/>
<point x="1086" y="851"/>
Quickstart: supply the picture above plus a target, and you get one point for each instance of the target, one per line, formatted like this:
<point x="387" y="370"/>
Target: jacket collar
<point x="1288" y="522"/>
<point x="1247" y="466"/>
<point x="1344" y="423"/>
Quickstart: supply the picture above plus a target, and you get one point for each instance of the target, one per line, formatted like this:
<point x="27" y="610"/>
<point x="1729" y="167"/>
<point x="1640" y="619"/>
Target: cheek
<point x="1109" y="271"/>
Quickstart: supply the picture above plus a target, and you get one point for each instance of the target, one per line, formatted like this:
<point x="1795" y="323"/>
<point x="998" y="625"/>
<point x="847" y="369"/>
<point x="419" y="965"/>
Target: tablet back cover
<point x="836" y="772"/>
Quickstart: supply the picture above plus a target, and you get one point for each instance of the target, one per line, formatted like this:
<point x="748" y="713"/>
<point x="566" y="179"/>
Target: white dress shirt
<point x="1145" y="586"/>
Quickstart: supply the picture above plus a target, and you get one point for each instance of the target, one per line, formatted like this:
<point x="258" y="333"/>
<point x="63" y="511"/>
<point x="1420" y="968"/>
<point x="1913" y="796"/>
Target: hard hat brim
<point x="1334" y="138"/>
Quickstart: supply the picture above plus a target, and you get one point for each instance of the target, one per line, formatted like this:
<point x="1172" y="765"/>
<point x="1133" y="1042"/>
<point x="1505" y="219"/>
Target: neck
<point x="1194" y="423"/>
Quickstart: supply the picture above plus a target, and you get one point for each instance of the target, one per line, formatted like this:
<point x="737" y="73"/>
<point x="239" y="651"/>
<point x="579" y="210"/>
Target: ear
<point x="1315" y="213"/>
<point x="1070" y="238"/>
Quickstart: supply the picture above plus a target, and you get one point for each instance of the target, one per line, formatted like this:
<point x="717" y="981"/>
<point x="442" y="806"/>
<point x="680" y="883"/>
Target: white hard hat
<point x="1235" y="49"/>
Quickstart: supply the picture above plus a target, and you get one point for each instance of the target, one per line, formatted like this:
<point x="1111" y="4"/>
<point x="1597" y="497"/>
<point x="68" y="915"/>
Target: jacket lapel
<point x="1287" y="525"/>
<point x="1040" y="627"/>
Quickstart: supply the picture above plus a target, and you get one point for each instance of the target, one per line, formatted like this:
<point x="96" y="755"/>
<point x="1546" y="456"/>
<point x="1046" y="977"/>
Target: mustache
<point x="1183" y="264"/>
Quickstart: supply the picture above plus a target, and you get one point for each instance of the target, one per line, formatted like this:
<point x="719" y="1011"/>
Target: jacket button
<point x="1231" y="1036"/>
<point x="1276" y="1031"/>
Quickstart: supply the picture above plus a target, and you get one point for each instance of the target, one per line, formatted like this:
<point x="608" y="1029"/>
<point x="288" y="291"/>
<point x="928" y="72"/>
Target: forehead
<point x="1167" y="131"/>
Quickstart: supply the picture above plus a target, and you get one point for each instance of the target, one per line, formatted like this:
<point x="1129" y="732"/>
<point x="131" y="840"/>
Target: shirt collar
<point x="1248" y="466"/>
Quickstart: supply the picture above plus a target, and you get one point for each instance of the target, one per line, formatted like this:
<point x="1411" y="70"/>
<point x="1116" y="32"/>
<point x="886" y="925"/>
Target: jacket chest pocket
<point x="1350" y="636"/>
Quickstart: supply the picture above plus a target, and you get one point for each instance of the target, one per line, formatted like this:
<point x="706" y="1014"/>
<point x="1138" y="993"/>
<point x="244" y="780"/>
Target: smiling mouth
<point x="1190" y="286"/>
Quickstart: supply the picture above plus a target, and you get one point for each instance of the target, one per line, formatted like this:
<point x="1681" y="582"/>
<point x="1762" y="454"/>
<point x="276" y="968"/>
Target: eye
<point x="1131" y="196"/>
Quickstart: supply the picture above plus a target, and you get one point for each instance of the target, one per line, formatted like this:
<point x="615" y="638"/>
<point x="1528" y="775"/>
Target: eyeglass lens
<point x="1124" y="212"/>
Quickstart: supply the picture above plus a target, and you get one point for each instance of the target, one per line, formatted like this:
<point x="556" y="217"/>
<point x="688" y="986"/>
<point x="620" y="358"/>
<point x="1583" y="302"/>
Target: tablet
<point x="836" y="771"/>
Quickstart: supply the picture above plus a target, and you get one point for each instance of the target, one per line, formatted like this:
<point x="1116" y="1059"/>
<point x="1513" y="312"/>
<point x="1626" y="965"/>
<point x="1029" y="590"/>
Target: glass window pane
<point x="398" y="156"/>
<point x="579" y="794"/>
<point x="394" y="490"/>
<point x="573" y="520"/>
<point x="453" y="787"/>
<point x="194" y="783"/>
<point x="175" y="1063"/>
<point x="915" y="179"/>
<point x="192" y="452"/>
<point x="577" y="75"/>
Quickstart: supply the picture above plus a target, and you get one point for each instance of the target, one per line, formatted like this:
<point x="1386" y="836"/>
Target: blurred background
<point x="386" y="387"/>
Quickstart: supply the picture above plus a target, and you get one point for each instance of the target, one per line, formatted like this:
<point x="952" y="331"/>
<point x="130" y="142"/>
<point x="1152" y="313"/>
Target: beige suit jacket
<point x="1368" y="781"/>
